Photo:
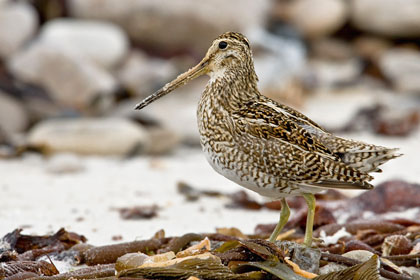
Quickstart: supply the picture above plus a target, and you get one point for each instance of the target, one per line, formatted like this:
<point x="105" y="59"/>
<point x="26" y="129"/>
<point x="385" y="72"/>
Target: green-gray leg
<point x="284" y="216"/>
<point x="310" y="200"/>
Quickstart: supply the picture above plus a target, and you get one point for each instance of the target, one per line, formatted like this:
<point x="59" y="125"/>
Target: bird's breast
<point x="227" y="156"/>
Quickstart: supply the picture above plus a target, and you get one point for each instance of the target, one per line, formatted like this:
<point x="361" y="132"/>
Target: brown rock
<point x="371" y="48"/>
<point x="396" y="245"/>
<point x="331" y="49"/>
<point x="388" y="196"/>
<point x="323" y="216"/>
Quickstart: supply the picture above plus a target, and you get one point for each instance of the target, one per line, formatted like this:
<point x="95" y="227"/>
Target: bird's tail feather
<point x="369" y="160"/>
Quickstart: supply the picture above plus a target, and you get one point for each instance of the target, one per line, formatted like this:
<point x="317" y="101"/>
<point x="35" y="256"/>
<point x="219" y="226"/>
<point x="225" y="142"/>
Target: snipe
<point x="265" y="146"/>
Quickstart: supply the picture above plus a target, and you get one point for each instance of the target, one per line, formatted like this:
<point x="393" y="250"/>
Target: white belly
<point x="248" y="182"/>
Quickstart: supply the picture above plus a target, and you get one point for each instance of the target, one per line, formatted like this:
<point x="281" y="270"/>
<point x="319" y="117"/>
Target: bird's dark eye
<point x="222" y="45"/>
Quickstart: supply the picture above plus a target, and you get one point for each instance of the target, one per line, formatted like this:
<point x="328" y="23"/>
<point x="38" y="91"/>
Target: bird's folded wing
<point x="287" y="145"/>
<point x="264" y="120"/>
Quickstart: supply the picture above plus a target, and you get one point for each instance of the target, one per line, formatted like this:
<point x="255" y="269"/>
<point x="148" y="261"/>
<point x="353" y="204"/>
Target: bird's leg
<point x="310" y="200"/>
<point x="284" y="216"/>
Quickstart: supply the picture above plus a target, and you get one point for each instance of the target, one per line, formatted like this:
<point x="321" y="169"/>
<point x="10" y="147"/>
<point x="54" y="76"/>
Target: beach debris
<point x="232" y="231"/>
<point x="138" y="212"/>
<point x="110" y="253"/>
<point x="193" y="194"/>
<point x="396" y="245"/>
<point x="218" y="256"/>
<point x="241" y="199"/>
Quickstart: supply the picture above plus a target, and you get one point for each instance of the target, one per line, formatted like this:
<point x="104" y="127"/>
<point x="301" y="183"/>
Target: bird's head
<point x="229" y="51"/>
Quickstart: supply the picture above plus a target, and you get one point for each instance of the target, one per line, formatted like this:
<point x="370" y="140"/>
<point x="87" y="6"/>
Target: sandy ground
<point x="34" y="198"/>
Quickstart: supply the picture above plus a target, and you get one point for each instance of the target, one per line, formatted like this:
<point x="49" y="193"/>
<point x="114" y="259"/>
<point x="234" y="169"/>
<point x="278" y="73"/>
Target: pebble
<point x="167" y="26"/>
<point x="402" y="67"/>
<point x="104" y="43"/>
<point x="329" y="73"/>
<point x="318" y="18"/>
<point x="13" y="117"/>
<point x="70" y="78"/>
<point x="142" y="74"/>
<point x="358" y="255"/>
<point x="279" y="62"/>
<point x="307" y="258"/>
<point x="89" y="136"/>
<point x="331" y="267"/>
<point x="18" y="24"/>
<point x="393" y="18"/>
<point x="396" y="245"/>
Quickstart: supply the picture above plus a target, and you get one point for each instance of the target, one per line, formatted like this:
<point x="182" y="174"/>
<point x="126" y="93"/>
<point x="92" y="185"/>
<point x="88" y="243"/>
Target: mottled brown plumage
<point x="265" y="146"/>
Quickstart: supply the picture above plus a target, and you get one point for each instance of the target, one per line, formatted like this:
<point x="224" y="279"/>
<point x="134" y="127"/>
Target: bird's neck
<point x="232" y="87"/>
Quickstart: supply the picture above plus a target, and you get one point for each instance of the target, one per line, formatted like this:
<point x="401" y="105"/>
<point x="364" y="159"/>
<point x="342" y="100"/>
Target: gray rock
<point x="142" y="74"/>
<point x="328" y="73"/>
<point x="13" y="117"/>
<point x="331" y="267"/>
<point x="394" y="18"/>
<point x="71" y="79"/>
<point x="317" y="18"/>
<point x="104" y="43"/>
<point x="359" y="255"/>
<point x="402" y="67"/>
<point x="168" y="26"/>
<point x="307" y="258"/>
<point x="278" y="62"/>
<point x="89" y="136"/>
<point x="412" y="271"/>
<point x="18" y="23"/>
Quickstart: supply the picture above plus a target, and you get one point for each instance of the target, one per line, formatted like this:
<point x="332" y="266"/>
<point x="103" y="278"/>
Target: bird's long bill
<point x="182" y="79"/>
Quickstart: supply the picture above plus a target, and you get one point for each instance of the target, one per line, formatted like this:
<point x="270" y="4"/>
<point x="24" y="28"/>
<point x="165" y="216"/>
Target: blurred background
<point x="73" y="152"/>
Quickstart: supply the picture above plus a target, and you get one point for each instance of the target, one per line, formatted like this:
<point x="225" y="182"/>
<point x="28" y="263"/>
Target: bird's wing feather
<point x="289" y="146"/>
<point x="267" y="120"/>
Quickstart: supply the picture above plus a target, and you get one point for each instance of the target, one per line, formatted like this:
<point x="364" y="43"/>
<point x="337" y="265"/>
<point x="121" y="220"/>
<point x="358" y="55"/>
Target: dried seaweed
<point x="110" y="253"/>
<point x="22" y="243"/>
<point x="208" y="267"/>
<point x="92" y="272"/>
<point x="178" y="243"/>
<point x="193" y="194"/>
<point x="241" y="199"/>
<point x="368" y="271"/>
<point x="138" y="212"/>
<point x="40" y="268"/>
<point x="348" y="261"/>
<point x="277" y="269"/>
